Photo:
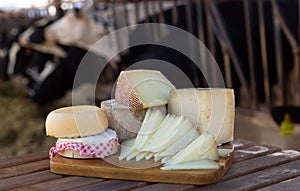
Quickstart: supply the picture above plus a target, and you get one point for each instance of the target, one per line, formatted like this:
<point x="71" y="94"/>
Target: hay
<point x="22" y="128"/>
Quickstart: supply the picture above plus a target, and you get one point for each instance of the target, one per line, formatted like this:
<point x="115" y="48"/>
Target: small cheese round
<point x="126" y="121"/>
<point x="76" y="121"/>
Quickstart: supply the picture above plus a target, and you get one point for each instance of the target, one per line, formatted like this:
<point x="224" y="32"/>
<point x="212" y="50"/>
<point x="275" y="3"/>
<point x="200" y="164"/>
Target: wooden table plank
<point x="23" y="159"/>
<point x="260" y="163"/>
<point x="254" y="151"/>
<point x="258" y="179"/>
<point x="28" y="179"/>
<point x="24" y="169"/>
<point x="287" y="185"/>
<point x="113" y="185"/>
<point x="65" y="183"/>
<point x="165" y="187"/>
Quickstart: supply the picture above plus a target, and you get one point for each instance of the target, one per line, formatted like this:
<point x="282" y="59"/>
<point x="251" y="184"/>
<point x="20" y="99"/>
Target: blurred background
<point x="255" y="43"/>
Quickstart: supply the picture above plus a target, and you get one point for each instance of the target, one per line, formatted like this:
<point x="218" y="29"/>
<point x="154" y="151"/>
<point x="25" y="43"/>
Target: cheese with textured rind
<point x="210" y="110"/>
<point x="76" y="121"/>
<point x="124" y="120"/>
<point x="204" y="147"/>
<point x="142" y="88"/>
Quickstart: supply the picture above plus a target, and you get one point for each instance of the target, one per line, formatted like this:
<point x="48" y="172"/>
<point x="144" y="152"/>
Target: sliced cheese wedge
<point x="204" y="147"/>
<point x="210" y="110"/>
<point x="151" y="123"/>
<point x="187" y="138"/>
<point x="142" y="88"/>
<point x="133" y="154"/>
<point x="150" y="155"/>
<point x="203" y="164"/>
<point x="176" y="130"/>
<point x="126" y="148"/>
<point x="161" y="129"/>
<point x="224" y="152"/>
<point x="157" y="157"/>
<point x="141" y="155"/>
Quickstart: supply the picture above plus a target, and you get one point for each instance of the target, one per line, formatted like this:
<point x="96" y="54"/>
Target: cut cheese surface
<point x="210" y="110"/>
<point x="142" y="88"/>
<point x="204" y="147"/>
<point x="173" y="133"/>
<point x="124" y="120"/>
<point x="180" y="144"/>
<point x="197" y="164"/>
<point x="151" y="123"/>
<point x="168" y="120"/>
<point x="126" y="148"/>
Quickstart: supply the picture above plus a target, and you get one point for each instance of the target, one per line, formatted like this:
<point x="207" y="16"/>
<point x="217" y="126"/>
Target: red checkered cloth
<point x="99" y="150"/>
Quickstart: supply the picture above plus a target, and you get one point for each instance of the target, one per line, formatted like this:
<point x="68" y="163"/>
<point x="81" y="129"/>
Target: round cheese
<point x="126" y="121"/>
<point x="76" y="121"/>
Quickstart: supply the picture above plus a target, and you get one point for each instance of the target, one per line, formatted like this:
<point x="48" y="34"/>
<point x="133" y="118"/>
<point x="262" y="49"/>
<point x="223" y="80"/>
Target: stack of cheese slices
<point x="183" y="136"/>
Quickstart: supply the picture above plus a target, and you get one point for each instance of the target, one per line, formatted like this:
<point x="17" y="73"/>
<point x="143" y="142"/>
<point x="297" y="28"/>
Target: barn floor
<point x="22" y="127"/>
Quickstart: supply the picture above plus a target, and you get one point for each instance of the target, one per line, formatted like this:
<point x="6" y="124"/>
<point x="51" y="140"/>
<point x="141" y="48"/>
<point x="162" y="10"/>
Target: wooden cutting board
<point x="102" y="169"/>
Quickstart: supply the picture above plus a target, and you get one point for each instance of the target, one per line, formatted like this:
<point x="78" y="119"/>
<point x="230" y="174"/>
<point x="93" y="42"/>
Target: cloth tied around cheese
<point x="82" y="132"/>
<point x="96" y="146"/>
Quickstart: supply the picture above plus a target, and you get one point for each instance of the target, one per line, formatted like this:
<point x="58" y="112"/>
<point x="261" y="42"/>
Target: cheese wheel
<point x="76" y="121"/>
<point x="124" y="120"/>
<point x="142" y="88"/>
<point x="209" y="109"/>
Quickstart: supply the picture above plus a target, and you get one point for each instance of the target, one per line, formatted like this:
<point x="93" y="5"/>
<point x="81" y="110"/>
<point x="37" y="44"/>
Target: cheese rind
<point x="209" y="110"/>
<point x="124" y="120"/>
<point x="76" y="121"/>
<point x="142" y="88"/>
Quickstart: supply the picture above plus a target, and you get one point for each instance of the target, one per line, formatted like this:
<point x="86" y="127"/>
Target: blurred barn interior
<point x="255" y="43"/>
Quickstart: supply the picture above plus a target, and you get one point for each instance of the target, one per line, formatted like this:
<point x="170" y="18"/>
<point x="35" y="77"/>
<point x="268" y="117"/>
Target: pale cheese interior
<point x="142" y="88"/>
<point x="210" y="110"/>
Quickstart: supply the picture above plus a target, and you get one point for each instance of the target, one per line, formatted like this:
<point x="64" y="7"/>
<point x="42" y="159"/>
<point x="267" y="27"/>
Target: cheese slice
<point x="224" y="152"/>
<point x="126" y="148"/>
<point x="204" y="147"/>
<point x="173" y="133"/>
<point x="142" y="88"/>
<point x="151" y="123"/>
<point x="203" y="164"/>
<point x="209" y="110"/>
<point x="161" y="129"/>
<point x="180" y="144"/>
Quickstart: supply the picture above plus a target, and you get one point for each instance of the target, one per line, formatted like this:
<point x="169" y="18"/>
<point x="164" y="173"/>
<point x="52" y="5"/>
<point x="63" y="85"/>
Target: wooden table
<point x="262" y="167"/>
